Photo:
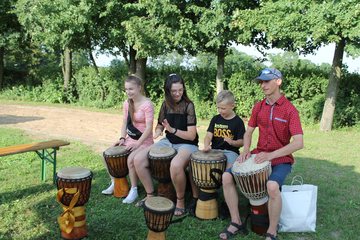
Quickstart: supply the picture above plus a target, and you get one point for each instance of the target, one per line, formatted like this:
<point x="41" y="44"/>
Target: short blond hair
<point x="225" y="95"/>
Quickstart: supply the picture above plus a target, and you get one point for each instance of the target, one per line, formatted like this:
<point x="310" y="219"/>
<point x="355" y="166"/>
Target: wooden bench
<point x="45" y="150"/>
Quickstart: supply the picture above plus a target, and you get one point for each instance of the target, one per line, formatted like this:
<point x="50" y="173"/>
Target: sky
<point x="323" y="55"/>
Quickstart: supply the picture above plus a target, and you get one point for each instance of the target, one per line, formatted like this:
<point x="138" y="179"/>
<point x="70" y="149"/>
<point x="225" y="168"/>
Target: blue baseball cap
<point x="268" y="74"/>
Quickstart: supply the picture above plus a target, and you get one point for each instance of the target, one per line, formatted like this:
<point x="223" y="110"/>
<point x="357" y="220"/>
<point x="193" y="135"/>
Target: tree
<point x="11" y="34"/>
<point x="213" y="20"/>
<point x="59" y="24"/>
<point x="304" y="26"/>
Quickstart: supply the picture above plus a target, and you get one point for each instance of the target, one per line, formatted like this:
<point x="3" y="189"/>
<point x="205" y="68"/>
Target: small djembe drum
<point x="159" y="160"/>
<point x="207" y="169"/>
<point x="116" y="161"/>
<point x="158" y="212"/>
<point x="74" y="185"/>
<point x="251" y="179"/>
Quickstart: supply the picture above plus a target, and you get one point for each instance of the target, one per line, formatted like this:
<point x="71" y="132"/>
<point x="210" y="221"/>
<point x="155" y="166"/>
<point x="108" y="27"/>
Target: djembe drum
<point x="159" y="160"/>
<point x="207" y="169"/>
<point x="74" y="185"/>
<point x="158" y="212"/>
<point x="251" y="179"/>
<point x="116" y="161"/>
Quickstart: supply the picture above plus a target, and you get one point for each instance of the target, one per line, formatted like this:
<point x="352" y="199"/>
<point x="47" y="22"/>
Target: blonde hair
<point x="225" y="95"/>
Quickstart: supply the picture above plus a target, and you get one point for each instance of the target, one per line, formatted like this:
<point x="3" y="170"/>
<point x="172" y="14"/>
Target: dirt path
<point x="95" y="129"/>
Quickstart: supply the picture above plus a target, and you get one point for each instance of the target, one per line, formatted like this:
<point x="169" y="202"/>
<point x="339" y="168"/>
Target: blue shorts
<point x="180" y="146"/>
<point x="279" y="173"/>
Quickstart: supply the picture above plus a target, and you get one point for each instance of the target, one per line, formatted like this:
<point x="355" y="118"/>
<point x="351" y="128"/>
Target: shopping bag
<point x="298" y="212"/>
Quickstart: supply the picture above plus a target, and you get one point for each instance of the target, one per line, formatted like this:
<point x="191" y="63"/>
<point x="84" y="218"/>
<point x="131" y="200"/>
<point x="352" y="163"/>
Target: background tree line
<point x="46" y="50"/>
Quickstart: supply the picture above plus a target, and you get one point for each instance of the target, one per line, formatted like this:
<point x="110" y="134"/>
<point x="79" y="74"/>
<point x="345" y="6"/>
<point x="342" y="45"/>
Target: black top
<point x="180" y="118"/>
<point x="221" y="128"/>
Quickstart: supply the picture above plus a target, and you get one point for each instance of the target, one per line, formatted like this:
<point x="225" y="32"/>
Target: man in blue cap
<point x="278" y="122"/>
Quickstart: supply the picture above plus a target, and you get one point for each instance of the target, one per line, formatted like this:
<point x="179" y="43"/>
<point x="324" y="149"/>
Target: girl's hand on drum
<point x="262" y="157"/>
<point x="132" y="146"/>
<point x="119" y="142"/>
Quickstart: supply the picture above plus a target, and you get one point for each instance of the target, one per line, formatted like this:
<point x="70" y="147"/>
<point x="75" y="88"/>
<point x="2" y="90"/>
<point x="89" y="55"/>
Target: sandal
<point x="241" y="229"/>
<point x="271" y="236"/>
<point x="180" y="212"/>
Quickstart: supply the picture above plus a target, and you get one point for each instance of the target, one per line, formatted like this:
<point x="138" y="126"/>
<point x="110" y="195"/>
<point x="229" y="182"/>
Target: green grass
<point x="28" y="208"/>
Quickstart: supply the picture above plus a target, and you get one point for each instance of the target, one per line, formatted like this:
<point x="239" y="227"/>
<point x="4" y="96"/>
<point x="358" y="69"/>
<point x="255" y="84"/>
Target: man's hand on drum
<point x="243" y="156"/>
<point x="262" y="157"/>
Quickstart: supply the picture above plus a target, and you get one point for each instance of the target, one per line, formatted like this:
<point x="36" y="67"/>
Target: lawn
<point x="28" y="207"/>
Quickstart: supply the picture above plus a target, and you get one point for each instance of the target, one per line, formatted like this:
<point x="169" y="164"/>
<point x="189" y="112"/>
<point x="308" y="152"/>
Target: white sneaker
<point x="109" y="190"/>
<point x="132" y="196"/>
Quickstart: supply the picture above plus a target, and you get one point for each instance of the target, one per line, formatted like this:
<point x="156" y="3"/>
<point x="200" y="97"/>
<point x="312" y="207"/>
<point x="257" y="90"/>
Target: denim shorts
<point x="279" y="173"/>
<point x="180" y="146"/>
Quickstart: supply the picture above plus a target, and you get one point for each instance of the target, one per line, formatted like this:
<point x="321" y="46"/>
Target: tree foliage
<point x="304" y="26"/>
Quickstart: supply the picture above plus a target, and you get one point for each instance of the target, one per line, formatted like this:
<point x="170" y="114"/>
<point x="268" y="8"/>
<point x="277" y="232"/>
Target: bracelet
<point x="175" y="131"/>
<point x="122" y="138"/>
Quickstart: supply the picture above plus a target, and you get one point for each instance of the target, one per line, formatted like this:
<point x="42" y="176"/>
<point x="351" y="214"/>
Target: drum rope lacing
<point x="67" y="220"/>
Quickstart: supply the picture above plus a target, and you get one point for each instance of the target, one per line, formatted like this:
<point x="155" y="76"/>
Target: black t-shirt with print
<point x="220" y="128"/>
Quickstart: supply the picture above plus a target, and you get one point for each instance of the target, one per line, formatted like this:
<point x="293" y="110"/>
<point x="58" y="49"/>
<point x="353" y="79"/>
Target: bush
<point x="102" y="90"/>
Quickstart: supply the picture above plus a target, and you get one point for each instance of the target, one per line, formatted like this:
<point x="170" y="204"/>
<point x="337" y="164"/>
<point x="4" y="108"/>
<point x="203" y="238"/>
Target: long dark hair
<point x="174" y="78"/>
<point x="138" y="82"/>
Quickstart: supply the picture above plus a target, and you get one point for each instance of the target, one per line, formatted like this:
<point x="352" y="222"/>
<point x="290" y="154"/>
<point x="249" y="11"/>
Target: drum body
<point x="251" y="179"/>
<point x="74" y="186"/>
<point x="259" y="219"/>
<point x="207" y="169"/>
<point x="158" y="212"/>
<point x="116" y="161"/>
<point x="159" y="160"/>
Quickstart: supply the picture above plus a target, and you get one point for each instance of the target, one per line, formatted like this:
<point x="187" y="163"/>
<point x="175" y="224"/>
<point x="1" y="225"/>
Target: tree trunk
<point x="2" y="66"/>
<point x="132" y="61"/>
<point x="141" y="69"/>
<point x="67" y="69"/>
<point x="220" y="69"/>
<point x="93" y="62"/>
<point x="333" y="86"/>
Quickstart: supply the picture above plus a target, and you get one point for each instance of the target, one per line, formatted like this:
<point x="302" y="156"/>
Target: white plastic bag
<point x="298" y="212"/>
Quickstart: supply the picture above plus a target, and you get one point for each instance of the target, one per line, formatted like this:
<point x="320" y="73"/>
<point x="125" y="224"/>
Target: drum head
<point x="161" y="151"/>
<point x="249" y="165"/>
<point x="74" y="173"/>
<point x="159" y="204"/>
<point x="116" y="151"/>
<point x="211" y="155"/>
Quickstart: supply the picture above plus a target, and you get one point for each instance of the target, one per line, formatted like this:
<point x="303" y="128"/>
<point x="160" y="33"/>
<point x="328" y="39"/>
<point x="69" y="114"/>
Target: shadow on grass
<point x="109" y="218"/>
<point x="18" y="195"/>
<point x="13" y="119"/>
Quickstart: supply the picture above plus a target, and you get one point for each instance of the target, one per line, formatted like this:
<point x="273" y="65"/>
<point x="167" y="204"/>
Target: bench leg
<point x="50" y="157"/>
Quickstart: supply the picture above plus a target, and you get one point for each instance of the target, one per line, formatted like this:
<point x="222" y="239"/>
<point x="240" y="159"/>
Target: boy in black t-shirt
<point x="226" y="130"/>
